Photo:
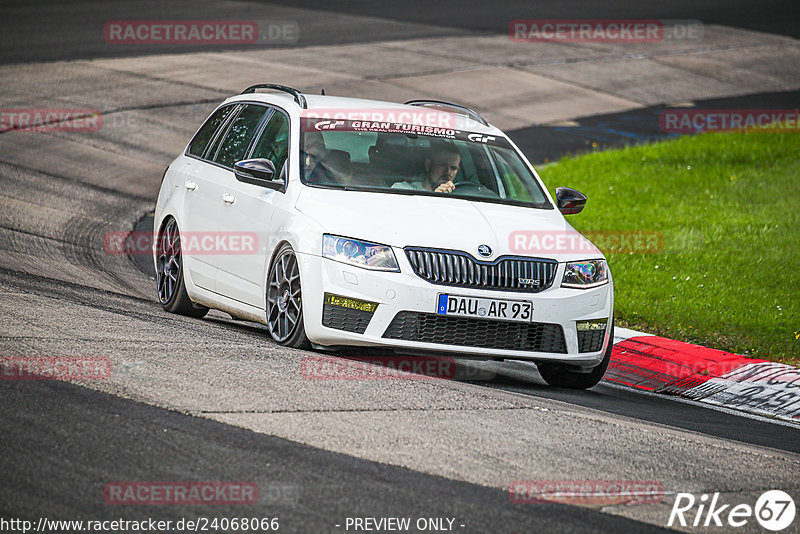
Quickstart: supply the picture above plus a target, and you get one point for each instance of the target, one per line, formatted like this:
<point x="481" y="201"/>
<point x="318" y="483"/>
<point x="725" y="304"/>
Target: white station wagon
<point x="347" y="222"/>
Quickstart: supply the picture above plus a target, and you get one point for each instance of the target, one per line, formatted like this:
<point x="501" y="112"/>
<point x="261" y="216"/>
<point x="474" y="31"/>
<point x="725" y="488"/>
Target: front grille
<point x="454" y="268"/>
<point x="345" y="318"/>
<point x="483" y="333"/>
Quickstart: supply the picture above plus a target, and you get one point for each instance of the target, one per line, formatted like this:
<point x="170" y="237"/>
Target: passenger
<point x="441" y="167"/>
<point x="313" y="150"/>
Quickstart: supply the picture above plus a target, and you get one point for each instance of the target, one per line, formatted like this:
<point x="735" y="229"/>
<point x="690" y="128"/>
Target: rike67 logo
<point x="774" y="510"/>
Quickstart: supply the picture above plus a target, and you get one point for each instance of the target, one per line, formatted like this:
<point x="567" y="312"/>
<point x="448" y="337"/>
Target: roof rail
<point x="471" y="113"/>
<point x="298" y="96"/>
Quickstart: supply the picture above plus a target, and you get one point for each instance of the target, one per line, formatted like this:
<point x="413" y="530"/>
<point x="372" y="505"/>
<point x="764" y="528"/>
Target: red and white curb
<point x="662" y="365"/>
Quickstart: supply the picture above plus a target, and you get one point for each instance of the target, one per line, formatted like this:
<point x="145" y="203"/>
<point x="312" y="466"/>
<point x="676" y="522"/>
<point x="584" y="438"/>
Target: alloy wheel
<point x="284" y="307"/>
<point x="168" y="269"/>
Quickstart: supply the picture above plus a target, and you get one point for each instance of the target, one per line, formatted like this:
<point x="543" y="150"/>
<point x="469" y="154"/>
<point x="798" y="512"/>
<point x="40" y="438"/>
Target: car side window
<point x="206" y="132"/>
<point x="273" y="144"/>
<point x="234" y="146"/>
<point x="511" y="170"/>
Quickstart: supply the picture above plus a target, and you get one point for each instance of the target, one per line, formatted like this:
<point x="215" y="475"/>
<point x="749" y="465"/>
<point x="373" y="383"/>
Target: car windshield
<point x="417" y="160"/>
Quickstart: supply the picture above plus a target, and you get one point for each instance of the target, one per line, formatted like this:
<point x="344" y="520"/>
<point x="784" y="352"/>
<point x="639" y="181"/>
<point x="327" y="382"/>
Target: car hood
<point x="445" y="223"/>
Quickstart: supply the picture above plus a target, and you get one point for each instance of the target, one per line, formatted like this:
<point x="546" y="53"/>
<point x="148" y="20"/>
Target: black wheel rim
<point x="283" y="297"/>
<point x="168" y="263"/>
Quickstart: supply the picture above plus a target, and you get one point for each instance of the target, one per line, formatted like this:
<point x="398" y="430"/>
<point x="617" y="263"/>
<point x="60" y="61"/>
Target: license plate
<point x="507" y="310"/>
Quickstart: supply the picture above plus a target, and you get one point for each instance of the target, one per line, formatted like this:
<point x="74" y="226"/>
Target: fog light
<point x="345" y="313"/>
<point x="350" y="303"/>
<point x="591" y="334"/>
<point x="594" y="324"/>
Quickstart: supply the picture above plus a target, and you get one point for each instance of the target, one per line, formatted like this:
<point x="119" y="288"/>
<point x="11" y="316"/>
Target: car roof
<point x="319" y="105"/>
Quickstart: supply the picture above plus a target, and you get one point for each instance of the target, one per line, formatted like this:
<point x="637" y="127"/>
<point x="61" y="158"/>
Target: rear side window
<point x="198" y="145"/>
<point x="273" y="144"/>
<point x="241" y="131"/>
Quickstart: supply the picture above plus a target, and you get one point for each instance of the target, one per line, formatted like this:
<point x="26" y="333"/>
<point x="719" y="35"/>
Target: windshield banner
<point x="310" y="124"/>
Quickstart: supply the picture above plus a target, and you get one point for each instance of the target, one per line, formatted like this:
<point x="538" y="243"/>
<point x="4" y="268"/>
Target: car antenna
<point x="322" y="92"/>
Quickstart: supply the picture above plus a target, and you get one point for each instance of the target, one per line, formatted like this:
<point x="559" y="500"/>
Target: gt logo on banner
<point x="328" y="125"/>
<point x="478" y="138"/>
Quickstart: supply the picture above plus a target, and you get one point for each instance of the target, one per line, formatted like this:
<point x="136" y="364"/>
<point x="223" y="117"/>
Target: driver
<point x="441" y="167"/>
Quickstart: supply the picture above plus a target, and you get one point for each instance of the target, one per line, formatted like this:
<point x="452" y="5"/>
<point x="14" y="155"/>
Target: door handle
<point x="228" y="198"/>
<point x="190" y="185"/>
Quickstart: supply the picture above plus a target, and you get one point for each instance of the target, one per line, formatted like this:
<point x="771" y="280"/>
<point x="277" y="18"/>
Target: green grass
<point x="728" y="208"/>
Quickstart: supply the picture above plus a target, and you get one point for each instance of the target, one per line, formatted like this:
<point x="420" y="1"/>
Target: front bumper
<point x="406" y="292"/>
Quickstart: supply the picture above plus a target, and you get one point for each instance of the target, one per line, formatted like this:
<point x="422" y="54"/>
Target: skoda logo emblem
<point x="484" y="250"/>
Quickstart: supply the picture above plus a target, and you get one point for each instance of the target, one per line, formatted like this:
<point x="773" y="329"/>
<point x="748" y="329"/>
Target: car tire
<point x="169" y="273"/>
<point x="565" y="376"/>
<point x="285" y="301"/>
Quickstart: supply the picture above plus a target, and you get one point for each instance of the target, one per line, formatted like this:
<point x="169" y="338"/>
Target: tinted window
<point x="356" y="145"/>
<point x="198" y="145"/>
<point x="237" y="139"/>
<point x="274" y="141"/>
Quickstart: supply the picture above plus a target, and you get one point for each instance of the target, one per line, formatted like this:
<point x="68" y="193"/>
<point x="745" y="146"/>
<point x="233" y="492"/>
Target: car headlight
<point x="585" y="274"/>
<point x="359" y="253"/>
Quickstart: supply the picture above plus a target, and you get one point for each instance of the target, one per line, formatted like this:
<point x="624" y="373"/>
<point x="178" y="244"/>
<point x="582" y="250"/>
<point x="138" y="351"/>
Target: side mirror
<point x="570" y="201"/>
<point x="258" y="171"/>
